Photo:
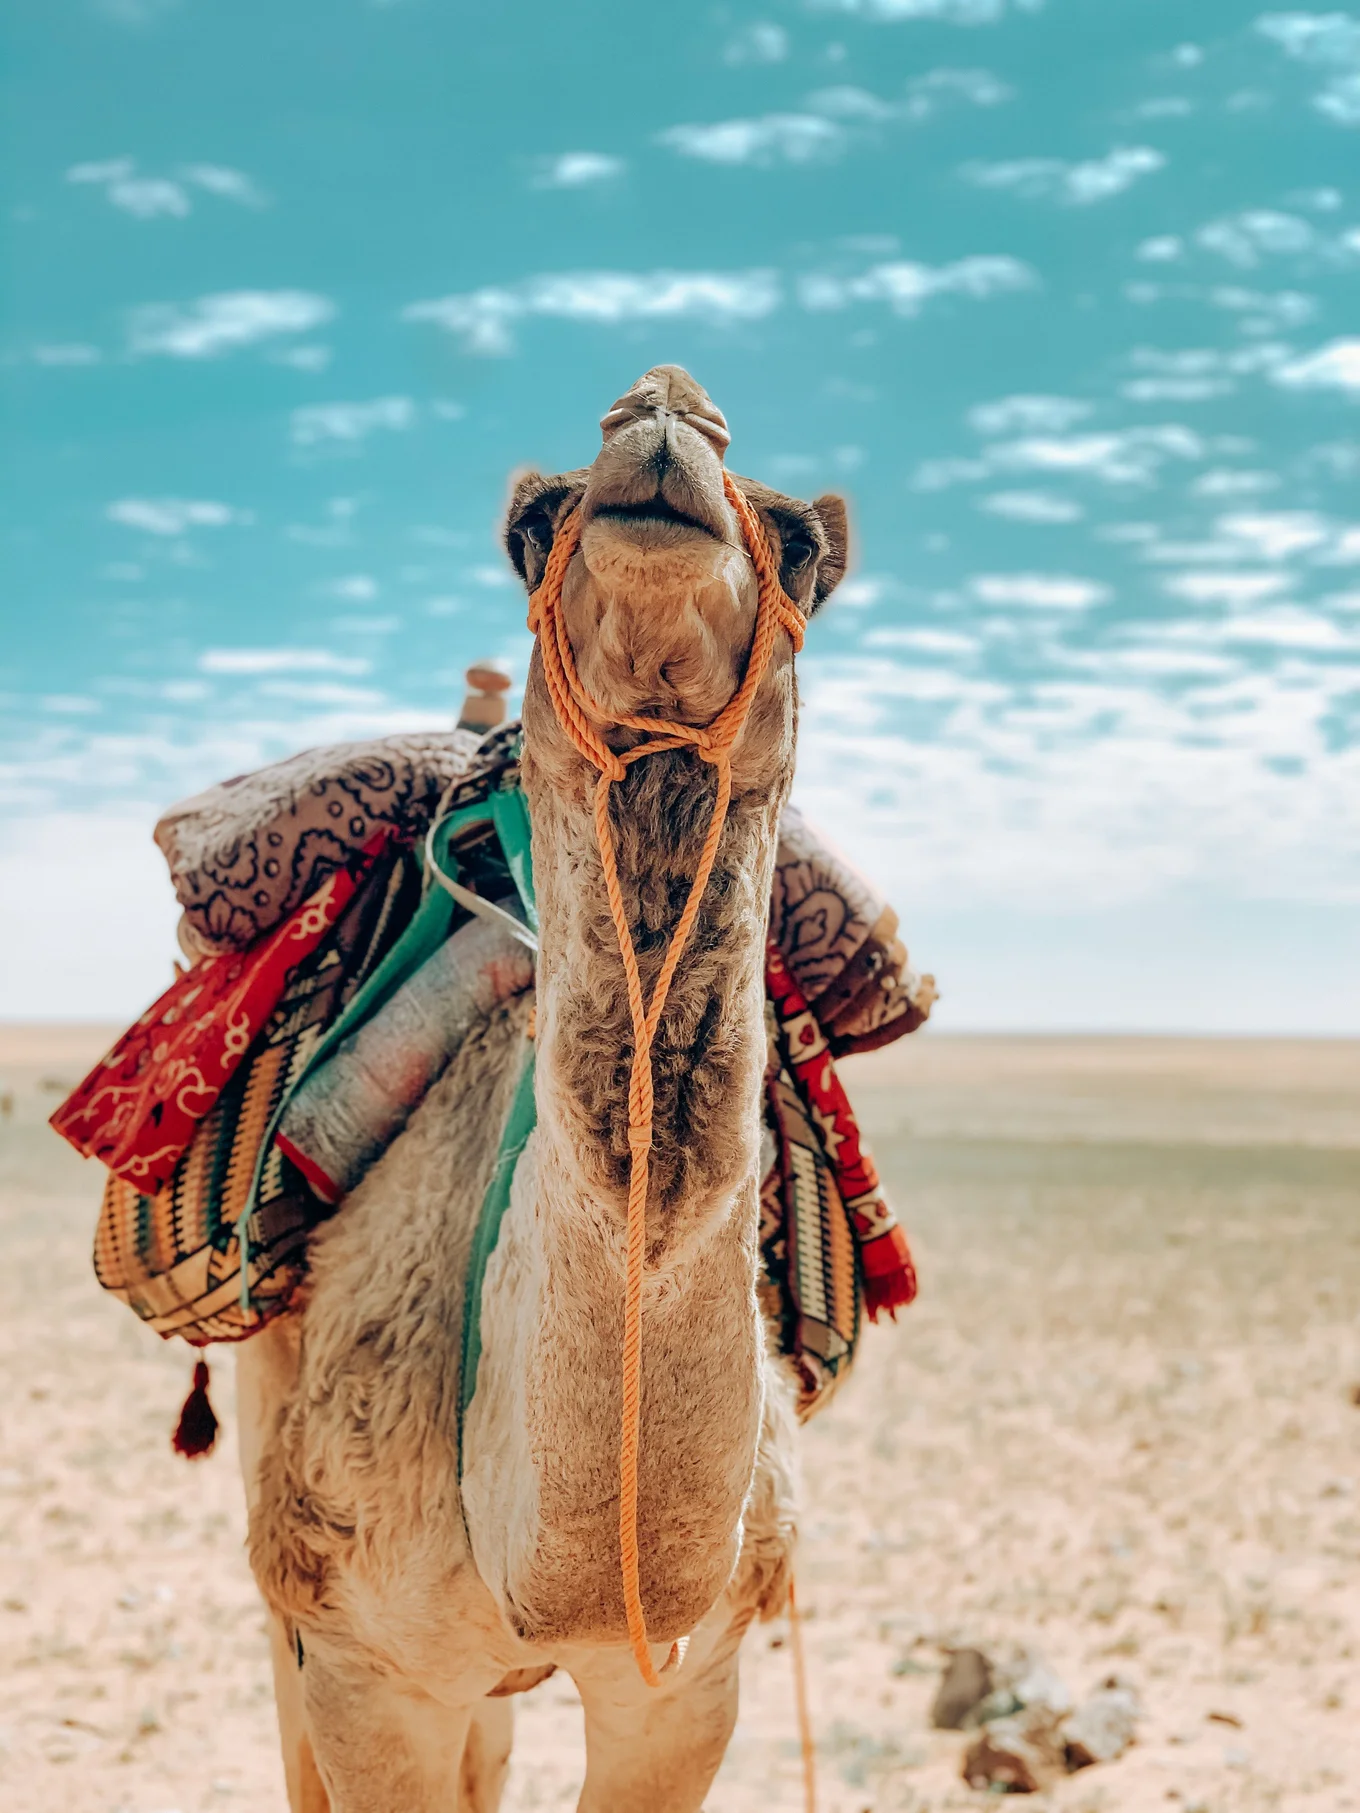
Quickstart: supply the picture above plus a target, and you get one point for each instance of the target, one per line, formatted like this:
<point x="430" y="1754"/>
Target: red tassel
<point x="889" y="1275"/>
<point x="197" y="1431"/>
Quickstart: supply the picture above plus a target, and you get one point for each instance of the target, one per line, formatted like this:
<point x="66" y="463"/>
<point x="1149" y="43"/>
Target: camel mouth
<point x="655" y="512"/>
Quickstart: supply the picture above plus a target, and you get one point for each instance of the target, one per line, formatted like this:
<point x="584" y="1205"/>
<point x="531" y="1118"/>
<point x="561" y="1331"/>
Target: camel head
<point x="660" y="598"/>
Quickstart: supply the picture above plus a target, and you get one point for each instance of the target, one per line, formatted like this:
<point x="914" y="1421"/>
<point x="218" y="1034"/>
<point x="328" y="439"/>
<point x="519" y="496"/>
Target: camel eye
<point x="798" y="551"/>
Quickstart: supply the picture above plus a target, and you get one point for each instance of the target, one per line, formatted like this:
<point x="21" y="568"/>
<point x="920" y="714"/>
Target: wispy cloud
<point x="1031" y="507"/>
<point x="163" y="197"/>
<point x="484" y="319"/>
<point x="831" y="120"/>
<point x="1073" y="184"/>
<point x="350" y="423"/>
<point x="1038" y="591"/>
<point x="66" y="352"/>
<point x="251" y="661"/>
<point x="790" y="138"/>
<point x="944" y="12"/>
<point x="174" y="515"/>
<point x="1027" y="413"/>
<point x="1335" y="366"/>
<point x="1118" y="457"/>
<point x="761" y="42"/>
<point x="906" y="287"/>
<point x="1328" y="41"/>
<point x="224" y="323"/>
<point x="577" y="170"/>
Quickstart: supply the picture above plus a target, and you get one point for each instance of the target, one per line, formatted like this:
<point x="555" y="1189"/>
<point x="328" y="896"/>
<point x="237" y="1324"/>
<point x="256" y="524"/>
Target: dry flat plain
<point x="1118" y="1426"/>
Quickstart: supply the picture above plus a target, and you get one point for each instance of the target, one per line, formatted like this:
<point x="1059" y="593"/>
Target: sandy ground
<point x="1117" y="1426"/>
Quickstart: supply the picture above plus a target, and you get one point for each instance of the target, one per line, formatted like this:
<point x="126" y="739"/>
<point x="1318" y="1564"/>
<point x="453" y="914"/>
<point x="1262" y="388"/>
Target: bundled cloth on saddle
<point x="321" y="942"/>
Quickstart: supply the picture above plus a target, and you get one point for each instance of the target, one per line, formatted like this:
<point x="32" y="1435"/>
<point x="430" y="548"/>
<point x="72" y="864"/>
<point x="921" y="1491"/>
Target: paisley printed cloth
<point x="244" y="854"/>
<point x="139" y="1107"/>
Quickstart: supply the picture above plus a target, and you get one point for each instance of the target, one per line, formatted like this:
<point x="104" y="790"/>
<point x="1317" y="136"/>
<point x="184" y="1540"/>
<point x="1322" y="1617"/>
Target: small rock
<point x="1035" y="1685"/>
<point x="966" y="1682"/>
<point x="1015" y="1756"/>
<point x="1101" y="1729"/>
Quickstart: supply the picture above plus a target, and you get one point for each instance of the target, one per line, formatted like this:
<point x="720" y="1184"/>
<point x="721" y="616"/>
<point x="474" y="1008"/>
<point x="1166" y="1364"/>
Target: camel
<point x="408" y="1606"/>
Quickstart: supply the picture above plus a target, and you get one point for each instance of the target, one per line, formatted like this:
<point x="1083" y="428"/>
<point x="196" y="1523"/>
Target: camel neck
<point x="545" y="1516"/>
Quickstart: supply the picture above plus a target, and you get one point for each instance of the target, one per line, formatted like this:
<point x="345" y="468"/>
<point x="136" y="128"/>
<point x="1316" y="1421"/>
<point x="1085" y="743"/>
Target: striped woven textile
<point x="174" y="1256"/>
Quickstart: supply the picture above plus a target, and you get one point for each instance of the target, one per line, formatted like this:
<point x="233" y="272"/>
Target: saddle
<point x="310" y="913"/>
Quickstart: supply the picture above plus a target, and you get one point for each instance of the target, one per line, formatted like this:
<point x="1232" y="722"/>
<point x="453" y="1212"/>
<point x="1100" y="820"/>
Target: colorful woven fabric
<point x="138" y="1108"/>
<point x="186" y="1107"/>
<point x="174" y="1254"/>
<point x="828" y="1235"/>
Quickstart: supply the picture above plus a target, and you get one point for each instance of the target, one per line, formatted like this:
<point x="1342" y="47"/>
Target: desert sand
<point x="1118" y="1426"/>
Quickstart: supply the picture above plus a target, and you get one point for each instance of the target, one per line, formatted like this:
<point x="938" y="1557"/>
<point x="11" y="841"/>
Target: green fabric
<point x="430" y="926"/>
<point x="510" y="815"/>
<point x="521" y="1123"/>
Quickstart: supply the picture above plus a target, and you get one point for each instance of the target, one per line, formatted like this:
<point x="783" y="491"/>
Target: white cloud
<point x="219" y="324"/>
<point x="241" y="661"/>
<point x="1164" y="249"/>
<point x="1075" y="184"/>
<point x="156" y="197"/>
<point x="221" y="180"/>
<point x="1027" y="413"/>
<point x="305" y="358"/>
<point x="977" y="86"/>
<point x="830" y="120"/>
<point x="1174" y="390"/>
<point x="483" y="319"/>
<point x="103" y="172"/>
<point x="349" y="422"/>
<point x="1275" y="534"/>
<point x="1335" y="366"/>
<point x="67" y="352"/>
<point x="1291" y="627"/>
<point x="761" y="42"/>
<point x="790" y="138"/>
<point x="923" y="641"/>
<point x="1329" y="41"/>
<point x="907" y="287"/>
<point x="355" y="588"/>
<point x="173" y="515"/>
<point x="1038" y="591"/>
<point x="1253" y="234"/>
<point x="1225" y="588"/>
<point x="1223" y="482"/>
<point x="577" y="170"/>
<point x="1031" y="507"/>
<point x="945" y="12"/>
<point x="1131" y="457"/>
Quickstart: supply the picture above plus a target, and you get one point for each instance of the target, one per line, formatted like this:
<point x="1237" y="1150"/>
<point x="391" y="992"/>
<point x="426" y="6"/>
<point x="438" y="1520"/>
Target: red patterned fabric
<point x="138" y="1108"/>
<point x="885" y="1258"/>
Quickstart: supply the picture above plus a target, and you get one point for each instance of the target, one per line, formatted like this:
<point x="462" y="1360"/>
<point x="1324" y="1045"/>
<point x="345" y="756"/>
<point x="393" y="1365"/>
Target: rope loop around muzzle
<point x="583" y="719"/>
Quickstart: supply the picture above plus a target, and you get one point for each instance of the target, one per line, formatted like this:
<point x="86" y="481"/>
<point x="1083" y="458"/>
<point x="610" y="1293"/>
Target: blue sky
<point x="1062" y="297"/>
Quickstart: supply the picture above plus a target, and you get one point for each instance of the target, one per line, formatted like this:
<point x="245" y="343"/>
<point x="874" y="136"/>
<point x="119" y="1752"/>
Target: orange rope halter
<point x="579" y="715"/>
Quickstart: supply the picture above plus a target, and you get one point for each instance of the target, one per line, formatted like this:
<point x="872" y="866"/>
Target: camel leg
<point x="266" y="1375"/>
<point x="659" y="1754"/>
<point x="383" y="1746"/>
<point x="486" y="1757"/>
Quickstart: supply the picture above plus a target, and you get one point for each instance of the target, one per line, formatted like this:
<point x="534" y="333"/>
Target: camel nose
<point x="669" y="395"/>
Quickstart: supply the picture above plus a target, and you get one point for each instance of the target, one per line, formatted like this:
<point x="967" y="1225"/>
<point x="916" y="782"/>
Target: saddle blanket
<point x="210" y="1198"/>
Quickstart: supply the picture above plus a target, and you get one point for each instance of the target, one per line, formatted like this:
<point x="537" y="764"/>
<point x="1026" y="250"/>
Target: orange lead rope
<point x="579" y="715"/>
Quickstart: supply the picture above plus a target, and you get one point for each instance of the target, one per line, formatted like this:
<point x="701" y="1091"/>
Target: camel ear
<point x="835" y="521"/>
<point x="537" y="505"/>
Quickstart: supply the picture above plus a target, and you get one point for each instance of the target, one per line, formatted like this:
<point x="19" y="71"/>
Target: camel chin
<point x="402" y="1595"/>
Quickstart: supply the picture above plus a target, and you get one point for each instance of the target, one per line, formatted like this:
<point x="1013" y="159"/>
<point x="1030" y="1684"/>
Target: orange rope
<point x="579" y="715"/>
<point x="806" y="1742"/>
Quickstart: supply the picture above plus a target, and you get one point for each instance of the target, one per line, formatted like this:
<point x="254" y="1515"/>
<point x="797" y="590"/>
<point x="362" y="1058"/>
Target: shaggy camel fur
<point x="404" y="1609"/>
